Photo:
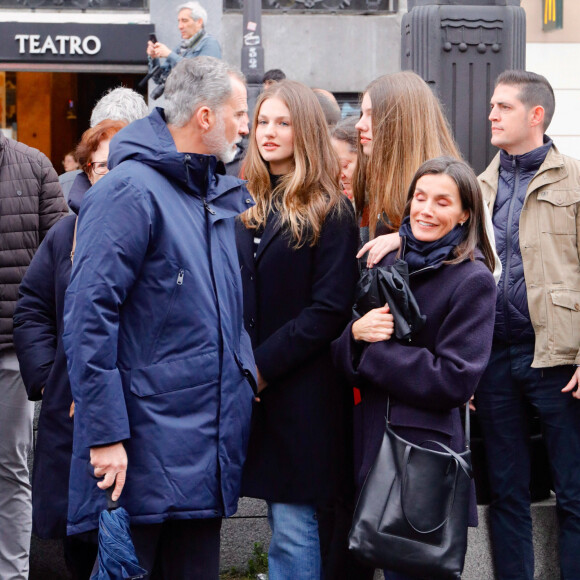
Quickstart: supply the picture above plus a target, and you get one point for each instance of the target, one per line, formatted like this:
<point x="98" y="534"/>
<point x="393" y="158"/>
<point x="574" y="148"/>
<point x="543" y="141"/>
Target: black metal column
<point x="459" y="47"/>
<point x="252" y="50"/>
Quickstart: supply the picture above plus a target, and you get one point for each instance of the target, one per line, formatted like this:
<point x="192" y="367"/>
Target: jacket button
<point x="252" y="323"/>
<point x="251" y="277"/>
<point x="576" y="306"/>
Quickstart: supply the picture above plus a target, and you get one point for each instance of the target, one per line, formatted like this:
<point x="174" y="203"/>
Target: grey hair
<point x="195" y="82"/>
<point x="196" y="9"/>
<point x="120" y="104"/>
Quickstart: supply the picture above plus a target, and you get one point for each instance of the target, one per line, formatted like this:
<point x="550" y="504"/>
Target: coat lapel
<point x="270" y="231"/>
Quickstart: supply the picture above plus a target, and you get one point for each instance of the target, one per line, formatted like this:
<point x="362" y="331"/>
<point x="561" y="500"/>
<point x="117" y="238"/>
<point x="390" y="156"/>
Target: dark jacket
<point x="431" y="376"/>
<point x="153" y="332"/>
<point x="296" y="301"/>
<point x="512" y="317"/>
<point x="38" y="324"/>
<point x="31" y="202"/>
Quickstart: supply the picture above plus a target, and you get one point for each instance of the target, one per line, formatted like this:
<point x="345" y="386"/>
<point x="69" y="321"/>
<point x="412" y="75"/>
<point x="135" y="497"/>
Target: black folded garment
<point x="390" y="285"/>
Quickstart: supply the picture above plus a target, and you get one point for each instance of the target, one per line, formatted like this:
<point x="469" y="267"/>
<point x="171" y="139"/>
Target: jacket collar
<point x="530" y="161"/>
<point x="552" y="169"/>
<point x="80" y="186"/>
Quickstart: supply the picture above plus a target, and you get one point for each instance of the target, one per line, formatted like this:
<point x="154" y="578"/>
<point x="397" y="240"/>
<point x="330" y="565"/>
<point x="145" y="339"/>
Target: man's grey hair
<point x="120" y="104"/>
<point x="196" y="9"/>
<point x="196" y="82"/>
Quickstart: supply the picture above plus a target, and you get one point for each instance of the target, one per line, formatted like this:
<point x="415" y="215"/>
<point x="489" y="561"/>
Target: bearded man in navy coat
<point x="160" y="366"/>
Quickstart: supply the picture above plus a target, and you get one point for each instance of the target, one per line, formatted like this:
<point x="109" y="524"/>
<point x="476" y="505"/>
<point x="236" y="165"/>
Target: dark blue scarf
<point x="423" y="254"/>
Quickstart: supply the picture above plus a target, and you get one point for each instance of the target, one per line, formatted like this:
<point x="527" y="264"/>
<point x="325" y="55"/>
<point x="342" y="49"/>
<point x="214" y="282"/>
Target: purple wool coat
<point x="431" y="376"/>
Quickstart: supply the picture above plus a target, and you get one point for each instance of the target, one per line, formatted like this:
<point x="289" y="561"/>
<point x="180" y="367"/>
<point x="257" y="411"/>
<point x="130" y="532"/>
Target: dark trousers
<point x="80" y="554"/>
<point x="508" y="383"/>
<point x="179" y="549"/>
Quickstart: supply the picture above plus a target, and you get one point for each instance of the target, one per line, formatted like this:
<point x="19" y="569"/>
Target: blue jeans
<point x="507" y="385"/>
<point x="294" y="552"/>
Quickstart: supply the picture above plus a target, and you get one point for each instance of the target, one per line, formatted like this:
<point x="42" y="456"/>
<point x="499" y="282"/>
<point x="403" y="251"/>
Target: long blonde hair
<point x="409" y="128"/>
<point x="306" y="195"/>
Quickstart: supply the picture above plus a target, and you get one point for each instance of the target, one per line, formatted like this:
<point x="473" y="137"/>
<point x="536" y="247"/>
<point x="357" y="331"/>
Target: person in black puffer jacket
<point x="31" y="201"/>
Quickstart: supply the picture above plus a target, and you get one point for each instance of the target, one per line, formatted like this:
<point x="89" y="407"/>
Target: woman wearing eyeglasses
<point x="38" y="322"/>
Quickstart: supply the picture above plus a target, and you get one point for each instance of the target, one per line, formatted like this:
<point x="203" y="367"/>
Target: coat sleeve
<point x="334" y="278"/>
<point x="112" y="240"/>
<point x="52" y="205"/>
<point x="35" y="325"/>
<point x="446" y="378"/>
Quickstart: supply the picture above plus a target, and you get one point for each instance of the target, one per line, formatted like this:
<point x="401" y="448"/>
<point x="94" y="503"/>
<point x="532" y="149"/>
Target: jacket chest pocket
<point x="558" y="209"/>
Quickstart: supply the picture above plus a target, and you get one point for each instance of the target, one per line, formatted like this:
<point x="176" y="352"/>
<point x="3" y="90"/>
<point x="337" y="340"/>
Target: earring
<point x="461" y="223"/>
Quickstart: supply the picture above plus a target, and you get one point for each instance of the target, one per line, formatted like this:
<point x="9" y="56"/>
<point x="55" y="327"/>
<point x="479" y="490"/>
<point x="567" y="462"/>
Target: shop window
<point x="8" y="104"/>
<point x="320" y="6"/>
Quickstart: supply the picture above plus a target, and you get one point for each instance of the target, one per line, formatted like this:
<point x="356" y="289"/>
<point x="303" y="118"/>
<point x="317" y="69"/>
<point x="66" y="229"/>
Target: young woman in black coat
<point x="296" y="249"/>
<point x="428" y="378"/>
<point x="38" y="326"/>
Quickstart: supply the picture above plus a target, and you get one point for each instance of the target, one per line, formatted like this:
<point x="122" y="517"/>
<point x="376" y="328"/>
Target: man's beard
<point x="217" y="143"/>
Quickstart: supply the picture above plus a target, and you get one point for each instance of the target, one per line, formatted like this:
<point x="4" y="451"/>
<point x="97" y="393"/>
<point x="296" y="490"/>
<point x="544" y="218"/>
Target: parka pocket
<point x="566" y="321"/>
<point x="176" y="375"/>
<point x="558" y="210"/>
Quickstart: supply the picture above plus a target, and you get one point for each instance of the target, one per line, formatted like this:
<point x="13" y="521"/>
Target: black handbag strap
<point x="450" y="500"/>
<point x="460" y="461"/>
<point x="467" y="426"/>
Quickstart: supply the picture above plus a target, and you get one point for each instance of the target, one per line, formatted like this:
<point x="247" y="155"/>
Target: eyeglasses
<point x="99" y="167"/>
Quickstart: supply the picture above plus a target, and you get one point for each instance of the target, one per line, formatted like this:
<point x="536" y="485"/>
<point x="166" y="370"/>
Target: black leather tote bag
<point x="413" y="510"/>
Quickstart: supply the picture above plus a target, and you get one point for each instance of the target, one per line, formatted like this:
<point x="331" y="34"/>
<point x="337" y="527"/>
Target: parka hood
<point x="149" y="141"/>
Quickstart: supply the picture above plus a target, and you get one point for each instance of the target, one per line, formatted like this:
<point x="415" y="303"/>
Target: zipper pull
<point x="208" y="208"/>
<point x="180" y="277"/>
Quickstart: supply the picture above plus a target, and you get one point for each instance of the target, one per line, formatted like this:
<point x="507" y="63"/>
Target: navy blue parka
<point x="157" y="354"/>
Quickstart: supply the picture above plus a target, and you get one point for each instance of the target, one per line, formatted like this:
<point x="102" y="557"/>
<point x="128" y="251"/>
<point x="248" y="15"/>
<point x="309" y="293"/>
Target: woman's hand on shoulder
<point x="379" y="247"/>
<point x="375" y="326"/>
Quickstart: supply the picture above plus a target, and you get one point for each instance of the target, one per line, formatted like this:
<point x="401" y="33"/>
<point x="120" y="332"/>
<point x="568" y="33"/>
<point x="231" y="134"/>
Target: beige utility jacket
<point x="550" y="245"/>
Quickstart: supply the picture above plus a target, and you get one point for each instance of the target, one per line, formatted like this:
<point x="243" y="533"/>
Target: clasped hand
<point x="110" y="463"/>
<point x="376" y="325"/>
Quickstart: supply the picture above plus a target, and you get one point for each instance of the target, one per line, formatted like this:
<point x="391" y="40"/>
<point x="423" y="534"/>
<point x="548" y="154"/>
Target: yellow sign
<point x="553" y="10"/>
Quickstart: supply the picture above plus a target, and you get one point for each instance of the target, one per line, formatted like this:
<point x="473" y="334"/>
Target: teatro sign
<point x="74" y="43"/>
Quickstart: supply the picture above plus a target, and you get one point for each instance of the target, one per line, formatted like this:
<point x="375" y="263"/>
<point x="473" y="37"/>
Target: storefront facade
<point x="54" y="66"/>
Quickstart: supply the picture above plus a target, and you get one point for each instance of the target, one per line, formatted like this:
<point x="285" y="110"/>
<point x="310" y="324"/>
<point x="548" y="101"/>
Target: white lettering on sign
<point x="96" y="44"/>
<point x="48" y="45"/>
<point x="31" y="44"/>
<point x="34" y="44"/>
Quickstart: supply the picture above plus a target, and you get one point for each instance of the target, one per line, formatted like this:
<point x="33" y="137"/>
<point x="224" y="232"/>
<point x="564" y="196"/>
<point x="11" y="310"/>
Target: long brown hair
<point x="408" y="128"/>
<point x="306" y="195"/>
<point x="471" y="200"/>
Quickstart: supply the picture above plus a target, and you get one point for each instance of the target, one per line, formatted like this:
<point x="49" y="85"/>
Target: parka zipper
<point x="209" y="210"/>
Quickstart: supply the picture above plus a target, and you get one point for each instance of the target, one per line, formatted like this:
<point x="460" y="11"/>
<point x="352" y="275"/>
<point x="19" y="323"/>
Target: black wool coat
<point x="38" y="326"/>
<point x="296" y="302"/>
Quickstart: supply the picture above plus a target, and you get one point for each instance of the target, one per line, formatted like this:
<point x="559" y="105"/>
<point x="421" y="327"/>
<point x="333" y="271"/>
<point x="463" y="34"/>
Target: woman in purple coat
<point x="429" y="377"/>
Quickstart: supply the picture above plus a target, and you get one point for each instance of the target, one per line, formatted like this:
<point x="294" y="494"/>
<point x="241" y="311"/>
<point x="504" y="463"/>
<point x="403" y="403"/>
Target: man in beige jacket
<point x="533" y="192"/>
